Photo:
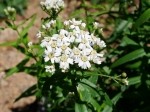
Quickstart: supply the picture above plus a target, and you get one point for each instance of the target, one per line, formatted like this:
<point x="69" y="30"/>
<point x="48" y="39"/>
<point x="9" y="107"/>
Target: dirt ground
<point x="13" y="86"/>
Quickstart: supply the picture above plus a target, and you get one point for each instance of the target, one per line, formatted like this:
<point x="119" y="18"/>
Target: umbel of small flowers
<point x="52" y="7"/>
<point x="72" y="45"/>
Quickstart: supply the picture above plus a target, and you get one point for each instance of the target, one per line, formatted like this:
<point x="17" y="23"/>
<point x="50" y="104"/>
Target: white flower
<point x="50" y="69"/>
<point x="50" y="24"/>
<point x="52" y="56"/>
<point x="30" y="44"/>
<point x="84" y="62"/>
<point x="75" y="22"/>
<point x="39" y="34"/>
<point x="65" y="60"/>
<point x="52" y="5"/>
<point x="96" y="25"/>
<point x="66" y="23"/>
<point x="100" y="43"/>
<point x="75" y="55"/>
<point x="83" y="25"/>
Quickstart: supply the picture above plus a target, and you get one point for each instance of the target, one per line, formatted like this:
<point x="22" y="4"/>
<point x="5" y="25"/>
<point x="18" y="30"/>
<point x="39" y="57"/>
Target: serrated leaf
<point x="129" y="57"/>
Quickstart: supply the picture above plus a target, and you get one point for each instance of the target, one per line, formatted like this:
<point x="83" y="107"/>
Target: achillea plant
<point x="68" y="62"/>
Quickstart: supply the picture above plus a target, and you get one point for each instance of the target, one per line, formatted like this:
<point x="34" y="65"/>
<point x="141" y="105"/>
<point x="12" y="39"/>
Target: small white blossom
<point x="96" y="25"/>
<point x="39" y="34"/>
<point x="100" y="43"/>
<point x="50" y="24"/>
<point x="30" y="44"/>
<point x="50" y="69"/>
<point x="65" y="61"/>
<point x="84" y="62"/>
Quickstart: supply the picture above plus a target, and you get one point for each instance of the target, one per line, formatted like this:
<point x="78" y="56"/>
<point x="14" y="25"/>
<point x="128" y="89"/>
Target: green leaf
<point x="84" y="93"/>
<point x="9" y="24"/>
<point x="134" y="80"/>
<point x="108" y="108"/>
<point x="80" y="108"/>
<point x="122" y="26"/>
<point x="93" y="79"/>
<point x="29" y="92"/>
<point x="128" y="41"/>
<point x="129" y="57"/>
<point x="1" y="28"/>
<point x="18" y="68"/>
<point x="9" y="44"/>
<point x="94" y="92"/>
<point x="30" y="24"/>
<point x="95" y="104"/>
<point x="143" y="18"/>
<point x="11" y="71"/>
<point x="2" y="7"/>
<point x="135" y="65"/>
<point x="107" y="100"/>
<point x="85" y="81"/>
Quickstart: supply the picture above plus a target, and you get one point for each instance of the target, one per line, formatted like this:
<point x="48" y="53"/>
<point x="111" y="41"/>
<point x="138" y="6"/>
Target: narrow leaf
<point x="108" y="108"/>
<point x="143" y="18"/>
<point x="129" y="57"/>
<point x="8" y="44"/>
<point x="30" y="24"/>
<point x="30" y="91"/>
<point x="129" y="41"/>
<point x="134" y="80"/>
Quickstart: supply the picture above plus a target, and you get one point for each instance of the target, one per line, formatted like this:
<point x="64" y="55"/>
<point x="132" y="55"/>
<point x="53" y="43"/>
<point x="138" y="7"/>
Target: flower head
<point x="52" y="6"/>
<point x="72" y="45"/>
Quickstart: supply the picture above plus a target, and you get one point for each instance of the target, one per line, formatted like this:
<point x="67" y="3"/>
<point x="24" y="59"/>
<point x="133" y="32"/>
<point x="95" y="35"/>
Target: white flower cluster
<point x="52" y="5"/>
<point x="73" y="45"/>
<point x="49" y="25"/>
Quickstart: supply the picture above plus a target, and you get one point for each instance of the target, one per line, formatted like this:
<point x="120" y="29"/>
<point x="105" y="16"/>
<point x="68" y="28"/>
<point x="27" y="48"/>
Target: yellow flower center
<point x="54" y="44"/>
<point x="76" y="51"/>
<point x="63" y="47"/>
<point x="50" y="55"/>
<point x="93" y="52"/>
<point x="63" y="58"/>
<point x="84" y="40"/>
<point x="84" y="58"/>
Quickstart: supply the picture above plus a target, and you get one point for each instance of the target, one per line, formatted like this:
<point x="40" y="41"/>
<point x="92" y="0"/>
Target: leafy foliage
<point x="127" y="58"/>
